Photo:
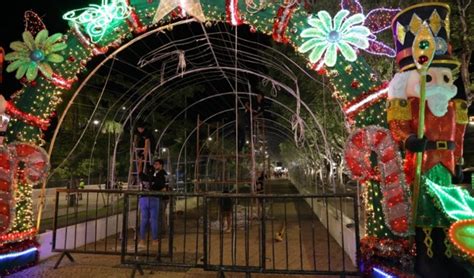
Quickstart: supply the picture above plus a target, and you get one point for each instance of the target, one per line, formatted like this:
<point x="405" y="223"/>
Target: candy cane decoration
<point x="396" y="201"/>
<point x="35" y="159"/>
<point x="7" y="198"/>
<point x="35" y="168"/>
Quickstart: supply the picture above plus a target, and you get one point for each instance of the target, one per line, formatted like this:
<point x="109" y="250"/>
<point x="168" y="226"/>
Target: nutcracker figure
<point x="4" y="118"/>
<point x="443" y="121"/>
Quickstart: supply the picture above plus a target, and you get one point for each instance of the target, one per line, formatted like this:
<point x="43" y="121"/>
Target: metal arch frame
<point x="79" y="88"/>
<point x="217" y="95"/>
<point x="272" y="130"/>
<point x="283" y="86"/>
<point x="280" y="69"/>
<point x="205" y="120"/>
<point x="121" y="48"/>
<point x="270" y="127"/>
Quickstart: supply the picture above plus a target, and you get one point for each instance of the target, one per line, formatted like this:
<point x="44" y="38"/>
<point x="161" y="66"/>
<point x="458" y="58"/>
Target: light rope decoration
<point x="253" y="8"/>
<point x="97" y="18"/>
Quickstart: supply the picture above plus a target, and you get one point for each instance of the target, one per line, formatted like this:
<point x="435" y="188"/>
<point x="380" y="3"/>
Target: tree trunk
<point x="466" y="53"/>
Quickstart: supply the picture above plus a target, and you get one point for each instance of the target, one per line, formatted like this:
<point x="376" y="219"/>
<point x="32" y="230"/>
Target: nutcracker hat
<point x="407" y="23"/>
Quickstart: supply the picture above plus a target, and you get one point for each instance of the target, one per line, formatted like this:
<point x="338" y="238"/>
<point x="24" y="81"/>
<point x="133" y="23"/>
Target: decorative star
<point x="191" y="7"/>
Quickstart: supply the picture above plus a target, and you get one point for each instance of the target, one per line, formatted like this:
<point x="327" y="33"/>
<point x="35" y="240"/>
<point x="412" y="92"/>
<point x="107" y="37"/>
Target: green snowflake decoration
<point x="34" y="54"/>
<point x="330" y="36"/>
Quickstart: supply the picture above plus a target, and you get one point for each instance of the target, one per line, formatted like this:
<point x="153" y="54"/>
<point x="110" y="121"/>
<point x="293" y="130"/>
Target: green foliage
<point x="112" y="127"/>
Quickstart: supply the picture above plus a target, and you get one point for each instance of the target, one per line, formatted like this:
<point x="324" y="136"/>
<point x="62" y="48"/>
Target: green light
<point x="97" y="19"/>
<point x="34" y="54"/>
<point x="466" y="235"/>
<point x="424" y="44"/>
<point x="329" y="36"/>
<point x="456" y="202"/>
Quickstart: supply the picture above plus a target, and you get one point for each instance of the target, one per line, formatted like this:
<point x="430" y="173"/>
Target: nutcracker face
<point x="439" y="89"/>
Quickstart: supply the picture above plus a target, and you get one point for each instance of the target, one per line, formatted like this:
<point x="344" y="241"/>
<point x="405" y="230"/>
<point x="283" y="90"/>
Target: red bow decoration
<point x="27" y="118"/>
<point x="18" y="162"/>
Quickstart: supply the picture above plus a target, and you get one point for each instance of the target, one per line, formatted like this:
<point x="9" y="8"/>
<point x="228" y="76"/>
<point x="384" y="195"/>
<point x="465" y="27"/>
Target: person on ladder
<point x="143" y="140"/>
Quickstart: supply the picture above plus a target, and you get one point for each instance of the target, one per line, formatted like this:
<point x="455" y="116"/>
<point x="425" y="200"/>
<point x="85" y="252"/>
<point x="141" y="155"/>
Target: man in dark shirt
<point x="243" y="125"/>
<point x="158" y="180"/>
<point x="143" y="141"/>
<point x="226" y="205"/>
<point x="260" y="183"/>
<point x="150" y="206"/>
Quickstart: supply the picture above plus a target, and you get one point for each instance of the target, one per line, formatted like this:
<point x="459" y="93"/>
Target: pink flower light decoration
<point x="377" y="20"/>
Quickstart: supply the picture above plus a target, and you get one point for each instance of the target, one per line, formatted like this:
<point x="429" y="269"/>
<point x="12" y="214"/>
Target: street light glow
<point x="96" y="122"/>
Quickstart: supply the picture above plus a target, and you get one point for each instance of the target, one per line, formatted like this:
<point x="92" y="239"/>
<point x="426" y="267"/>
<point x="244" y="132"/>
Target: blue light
<point x="380" y="273"/>
<point x="15" y="255"/>
<point x="334" y="36"/>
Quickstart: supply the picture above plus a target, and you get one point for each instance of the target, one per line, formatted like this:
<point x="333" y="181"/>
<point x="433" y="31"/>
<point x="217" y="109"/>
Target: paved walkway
<point x="96" y="266"/>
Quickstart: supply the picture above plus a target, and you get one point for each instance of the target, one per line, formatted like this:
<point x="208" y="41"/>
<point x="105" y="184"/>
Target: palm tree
<point x="110" y="128"/>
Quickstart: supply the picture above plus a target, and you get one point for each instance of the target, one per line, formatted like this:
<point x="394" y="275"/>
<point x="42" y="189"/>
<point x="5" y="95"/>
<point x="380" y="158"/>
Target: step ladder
<point x="134" y="182"/>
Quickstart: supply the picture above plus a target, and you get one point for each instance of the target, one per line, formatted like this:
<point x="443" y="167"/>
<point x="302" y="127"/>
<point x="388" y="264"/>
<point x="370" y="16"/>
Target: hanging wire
<point x="194" y="68"/>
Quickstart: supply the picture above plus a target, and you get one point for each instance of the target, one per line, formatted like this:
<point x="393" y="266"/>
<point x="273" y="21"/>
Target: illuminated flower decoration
<point x="349" y="29"/>
<point x="328" y="36"/>
<point x="377" y="20"/>
<point x="35" y="54"/>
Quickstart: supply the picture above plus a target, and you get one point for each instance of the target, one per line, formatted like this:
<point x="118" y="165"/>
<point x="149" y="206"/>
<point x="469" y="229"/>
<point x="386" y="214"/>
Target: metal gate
<point x="280" y="234"/>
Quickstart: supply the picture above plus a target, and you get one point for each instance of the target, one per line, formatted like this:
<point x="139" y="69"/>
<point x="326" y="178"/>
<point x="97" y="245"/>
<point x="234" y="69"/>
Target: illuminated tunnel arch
<point x="89" y="38"/>
<point x="359" y="90"/>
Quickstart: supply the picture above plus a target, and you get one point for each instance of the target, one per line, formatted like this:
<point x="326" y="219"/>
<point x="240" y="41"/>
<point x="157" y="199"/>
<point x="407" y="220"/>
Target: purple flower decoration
<point x="377" y="20"/>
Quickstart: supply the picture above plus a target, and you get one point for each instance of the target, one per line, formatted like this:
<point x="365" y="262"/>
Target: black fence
<point x="279" y="234"/>
<point x="92" y="224"/>
<point x="180" y="230"/>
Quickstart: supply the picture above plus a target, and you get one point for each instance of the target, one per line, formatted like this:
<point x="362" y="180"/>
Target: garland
<point x="385" y="254"/>
<point x="232" y="15"/>
<point x="282" y="19"/>
<point x="19" y="246"/>
<point x="23" y="165"/>
<point x="7" y="197"/>
<point x="365" y="100"/>
<point x="16" y="248"/>
<point x="27" y="118"/>
<point x="134" y="21"/>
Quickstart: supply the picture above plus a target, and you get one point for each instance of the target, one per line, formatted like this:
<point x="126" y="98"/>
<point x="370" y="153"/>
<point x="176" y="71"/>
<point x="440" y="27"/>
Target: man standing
<point x="150" y="205"/>
<point x="444" y="126"/>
